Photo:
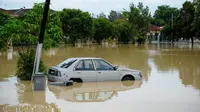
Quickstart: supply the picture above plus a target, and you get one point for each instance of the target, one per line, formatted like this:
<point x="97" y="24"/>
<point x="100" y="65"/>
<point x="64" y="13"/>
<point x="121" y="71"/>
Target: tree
<point x="102" y="28"/>
<point x="187" y="17"/>
<point x="25" y="29"/>
<point x="163" y="15"/>
<point x="117" y="27"/>
<point x="32" y="21"/>
<point x="13" y="31"/>
<point x="102" y="15"/>
<point x="196" y="22"/>
<point x="125" y="33"/>
<point x="4" y="17"/>
<point x="139" y="18"/>
<point x="114" y="15"/>
<point x="76" y="24"/>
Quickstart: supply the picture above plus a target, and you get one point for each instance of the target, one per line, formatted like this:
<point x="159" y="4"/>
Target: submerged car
<point x="90" y="70"/>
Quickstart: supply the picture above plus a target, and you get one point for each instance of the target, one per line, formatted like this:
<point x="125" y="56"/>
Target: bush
<point x="25" y="64"/>
<point x="141" y="40"/>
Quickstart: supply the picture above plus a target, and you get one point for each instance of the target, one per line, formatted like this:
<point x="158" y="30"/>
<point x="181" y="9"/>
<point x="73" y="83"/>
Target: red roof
<point x="9" y="12"/>
<point x="154" y="28"/>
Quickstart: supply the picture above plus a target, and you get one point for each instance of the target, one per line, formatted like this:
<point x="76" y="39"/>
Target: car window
<point x="85" y="65"/>
<point x="88" y="65"/>
<point x="80" y="66"/>
<point x="66" y="63"/>
<point x="102" y="65"/>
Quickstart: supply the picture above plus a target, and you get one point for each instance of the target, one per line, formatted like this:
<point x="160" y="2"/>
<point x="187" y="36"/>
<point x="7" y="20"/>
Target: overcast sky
<point x="92" y="6"/>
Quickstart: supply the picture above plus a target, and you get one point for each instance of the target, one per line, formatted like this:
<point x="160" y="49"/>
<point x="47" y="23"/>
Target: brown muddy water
<point x="171" y="81"/>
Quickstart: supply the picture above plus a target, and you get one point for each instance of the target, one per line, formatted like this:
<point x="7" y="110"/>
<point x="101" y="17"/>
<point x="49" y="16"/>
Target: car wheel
<point x="77" y="80"/>
<point x="128" y="78"/>
<point x="69" y="84"/>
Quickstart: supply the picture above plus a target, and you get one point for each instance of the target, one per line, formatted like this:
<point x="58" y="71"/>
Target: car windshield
<point x="66" y="63"/>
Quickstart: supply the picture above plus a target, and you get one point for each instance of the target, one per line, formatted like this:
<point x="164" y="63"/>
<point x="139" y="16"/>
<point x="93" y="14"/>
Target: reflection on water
<point x="93" y="92"/>
<point x="171" y="81"/>
<point x="18" y="96"/>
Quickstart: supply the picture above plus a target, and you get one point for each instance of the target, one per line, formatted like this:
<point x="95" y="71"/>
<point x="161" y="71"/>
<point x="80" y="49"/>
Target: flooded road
<point x="171" y="81"/>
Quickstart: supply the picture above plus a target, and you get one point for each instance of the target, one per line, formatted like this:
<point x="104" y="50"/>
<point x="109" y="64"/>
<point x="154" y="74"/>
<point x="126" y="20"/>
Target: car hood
<point x="127" y="69"/>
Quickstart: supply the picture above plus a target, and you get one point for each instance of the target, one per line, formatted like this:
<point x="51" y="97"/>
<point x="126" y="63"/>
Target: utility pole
<point x="39" y="78"/>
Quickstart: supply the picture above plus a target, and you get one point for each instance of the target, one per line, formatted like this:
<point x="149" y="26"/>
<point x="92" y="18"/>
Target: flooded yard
<point x="171" y="81"/>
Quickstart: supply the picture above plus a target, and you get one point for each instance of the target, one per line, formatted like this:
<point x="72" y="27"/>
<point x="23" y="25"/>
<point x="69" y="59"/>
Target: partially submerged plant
<point x="26" y="62"/>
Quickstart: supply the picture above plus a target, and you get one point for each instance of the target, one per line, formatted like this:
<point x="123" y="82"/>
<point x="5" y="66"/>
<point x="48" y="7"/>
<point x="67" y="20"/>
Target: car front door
<point x="85" y="69"/>
<point x="105" y="71"/>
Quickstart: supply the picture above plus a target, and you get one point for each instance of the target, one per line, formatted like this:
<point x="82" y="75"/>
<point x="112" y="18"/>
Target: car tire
<point x="128" y="78"/>
<point x="77" y="80"/>
<point x="128" y="81"/>
<point x="69" y="84"/>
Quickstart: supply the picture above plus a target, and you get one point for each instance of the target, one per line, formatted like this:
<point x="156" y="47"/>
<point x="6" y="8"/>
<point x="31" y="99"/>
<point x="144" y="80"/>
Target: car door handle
<point x="99" y="72"/>
<point x="79" y="72"/>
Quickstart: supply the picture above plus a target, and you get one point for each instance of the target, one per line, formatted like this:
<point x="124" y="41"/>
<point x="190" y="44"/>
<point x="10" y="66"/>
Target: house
<point x="7" y="11"/>
<point x="18" y="12"/>
<point x="154" y="34"/>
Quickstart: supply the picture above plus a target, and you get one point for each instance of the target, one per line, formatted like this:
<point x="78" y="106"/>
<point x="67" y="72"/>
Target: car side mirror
<point x="115" y="67"/>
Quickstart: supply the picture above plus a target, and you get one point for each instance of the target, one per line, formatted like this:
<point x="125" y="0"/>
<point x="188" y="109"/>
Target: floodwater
<point x="171" y="81"/>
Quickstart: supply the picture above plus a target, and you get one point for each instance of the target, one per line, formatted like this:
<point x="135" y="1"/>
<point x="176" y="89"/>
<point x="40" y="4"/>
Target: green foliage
<point x="131" y="25"/>
<point x="117" y="27"/>
<point x="25" y="64"/>
<point x="102" y="28"/>
<point x="102" y="15"/>
<point x="76" y="24"/>
<point x="139" y="17"/>
<point x="183" y="24"/>
<point x="13" y="31"/>
<point x="26" y="29"/>
<point x="166" y="31"/>
<point x="163" y="15"/>
<point x="141" y="39"/>
<point x="196" y="22"/>
<point x="187" y="17"/>
<point x="125" y="33"/>
<point x="4" y="17"/>
<point x="114" y="15"/>
<point x="158" y="22"/>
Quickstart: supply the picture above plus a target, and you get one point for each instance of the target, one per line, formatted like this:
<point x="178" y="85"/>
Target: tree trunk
<point x="192" y="41"/>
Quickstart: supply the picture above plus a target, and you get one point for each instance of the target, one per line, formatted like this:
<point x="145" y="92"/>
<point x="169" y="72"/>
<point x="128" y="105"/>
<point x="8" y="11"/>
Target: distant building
<point x="154" y="34"/>
<point x="7" y="11"/>
<point x="18" y="12"/>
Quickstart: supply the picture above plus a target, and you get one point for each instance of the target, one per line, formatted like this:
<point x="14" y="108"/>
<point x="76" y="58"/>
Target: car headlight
<point x="59" y="74"/>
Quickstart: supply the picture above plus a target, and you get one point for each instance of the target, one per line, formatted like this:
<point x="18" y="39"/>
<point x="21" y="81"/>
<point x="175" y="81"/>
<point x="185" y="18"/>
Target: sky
<point x="92" y="6"/>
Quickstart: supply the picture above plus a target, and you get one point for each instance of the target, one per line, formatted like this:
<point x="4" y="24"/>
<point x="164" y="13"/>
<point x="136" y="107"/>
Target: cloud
<point x="93" y="6"/>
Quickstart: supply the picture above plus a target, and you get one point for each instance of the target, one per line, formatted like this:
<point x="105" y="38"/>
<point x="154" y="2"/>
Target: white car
<point x="90" y="70"/>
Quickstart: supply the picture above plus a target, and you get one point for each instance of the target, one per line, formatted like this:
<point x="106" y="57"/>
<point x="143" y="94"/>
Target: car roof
<point x="79" y="58"/>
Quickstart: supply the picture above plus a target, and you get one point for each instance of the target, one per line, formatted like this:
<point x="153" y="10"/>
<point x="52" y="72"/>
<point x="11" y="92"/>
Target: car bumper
<point x="57" y="79"/>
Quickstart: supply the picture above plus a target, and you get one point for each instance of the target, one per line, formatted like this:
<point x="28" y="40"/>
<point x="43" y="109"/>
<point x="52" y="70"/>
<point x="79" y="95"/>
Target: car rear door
<point x="85" y="69"/>
<point x="105" y="71"/>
